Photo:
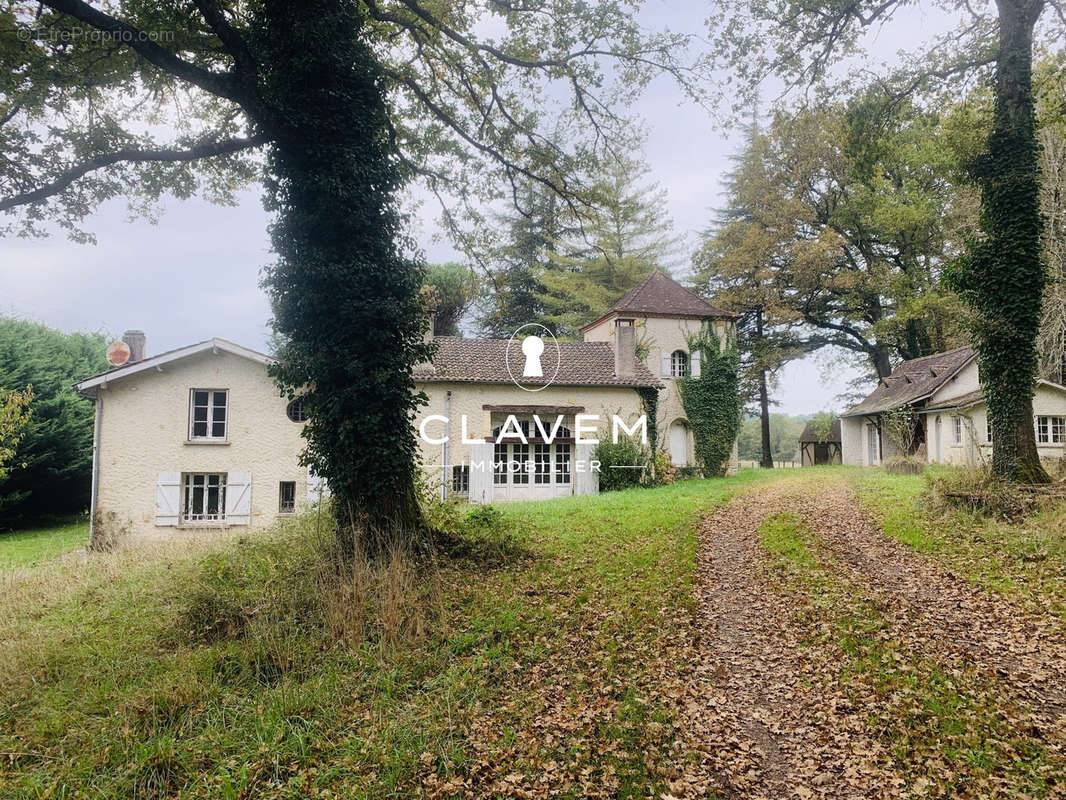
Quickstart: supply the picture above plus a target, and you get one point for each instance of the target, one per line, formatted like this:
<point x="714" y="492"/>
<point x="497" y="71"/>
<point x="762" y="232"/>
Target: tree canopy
<point x="49" y="471"/>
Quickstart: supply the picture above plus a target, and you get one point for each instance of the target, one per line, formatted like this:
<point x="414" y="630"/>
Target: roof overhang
<point x="90" y="386"/>
<point x="651" y="315"/>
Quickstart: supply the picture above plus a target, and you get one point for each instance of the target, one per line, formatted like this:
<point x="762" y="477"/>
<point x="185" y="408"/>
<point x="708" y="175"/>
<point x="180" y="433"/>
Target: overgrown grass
<point x="945" y="726"/>
<point x="27" y="548"/>
<point x="221" y="674"/>
<point x="1024" y="559"/>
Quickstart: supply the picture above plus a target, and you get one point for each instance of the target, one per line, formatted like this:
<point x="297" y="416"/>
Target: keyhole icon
<point x="532" y="347"/>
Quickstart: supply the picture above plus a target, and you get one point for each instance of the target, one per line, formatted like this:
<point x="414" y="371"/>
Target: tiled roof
<point x="912" y="381"/>
<point x="810" y="434"/>
<point x="659" y="294"/>
<point x="962" y="401"/>
<point x="486" y="360"/>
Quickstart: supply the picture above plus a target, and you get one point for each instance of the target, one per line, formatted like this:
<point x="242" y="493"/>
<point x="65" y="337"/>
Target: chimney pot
<point x="625" y="349"/>
<point x="136" y="341"/>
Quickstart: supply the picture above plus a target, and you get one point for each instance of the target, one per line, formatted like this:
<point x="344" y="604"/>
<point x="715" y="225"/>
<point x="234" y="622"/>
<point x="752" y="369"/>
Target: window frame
<point x="296" y="403"/>
<point x="1050" y="429"/>
<point x="210" y="421"/>
<point x="282" y="509"/>
<point x="956" y="430"/>
<point x="188" y="488"/>
<point x="680" y="364"/>
<point x="460" y="479"/>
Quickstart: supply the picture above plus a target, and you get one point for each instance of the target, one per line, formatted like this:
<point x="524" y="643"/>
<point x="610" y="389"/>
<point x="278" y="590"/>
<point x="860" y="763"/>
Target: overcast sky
<point x="195" y="274"/>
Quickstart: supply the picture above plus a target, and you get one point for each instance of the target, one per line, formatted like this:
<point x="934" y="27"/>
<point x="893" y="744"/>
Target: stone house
<point x="199" y="436"/>
<point x="944" y="393"/>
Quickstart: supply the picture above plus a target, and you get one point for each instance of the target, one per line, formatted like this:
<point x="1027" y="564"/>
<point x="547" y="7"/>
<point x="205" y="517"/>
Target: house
<point x="819" y="446"/>
<point x="199" y="436"/>
<point x="943" y="392"/>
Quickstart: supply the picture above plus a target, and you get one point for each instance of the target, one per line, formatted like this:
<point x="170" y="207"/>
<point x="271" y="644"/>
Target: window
<point x="562" y="463"/>
<point x="988" y="430"/>
<point x="203" y="497"/>
<point x="542" y="463"/>
<point x="679" y="364"/>
<point x="460" y="480"/>
<point x="296" y="411"/>
<point x="1051" y="430"/>
<point x="287" y="497"/>
<point x="956" y="430"/>
<point x="520" y="462"/>
<point x="499" y="464"/>
<point x="207" y="413"/>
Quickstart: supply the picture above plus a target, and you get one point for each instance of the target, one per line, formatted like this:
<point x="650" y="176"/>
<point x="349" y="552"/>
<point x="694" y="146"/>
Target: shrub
<point x="618" y="461"/>
<point x="287" y="596"/>
<point x="904" y="465"/>
<point x="980" y="491"/>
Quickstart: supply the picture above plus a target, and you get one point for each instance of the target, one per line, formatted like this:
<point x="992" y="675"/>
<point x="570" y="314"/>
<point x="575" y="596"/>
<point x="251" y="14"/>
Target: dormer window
<point x="208" y="410"/>
<point x="679" y="364"/>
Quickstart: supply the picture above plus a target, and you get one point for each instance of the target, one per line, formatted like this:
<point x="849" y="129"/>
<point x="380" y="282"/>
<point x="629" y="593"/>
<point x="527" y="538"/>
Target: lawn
<point x="187" y="673"/>
<point x="27" y="548"/>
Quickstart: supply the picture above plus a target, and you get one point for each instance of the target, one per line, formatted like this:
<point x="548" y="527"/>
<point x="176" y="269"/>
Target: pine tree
<point x="626" y="235"/>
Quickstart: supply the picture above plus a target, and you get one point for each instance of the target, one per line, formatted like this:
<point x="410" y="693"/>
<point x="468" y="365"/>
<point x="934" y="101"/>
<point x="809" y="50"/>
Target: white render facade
<point x="953" y="417"/>
<point x="157" y="468"/>
<point x="199" y="437"/>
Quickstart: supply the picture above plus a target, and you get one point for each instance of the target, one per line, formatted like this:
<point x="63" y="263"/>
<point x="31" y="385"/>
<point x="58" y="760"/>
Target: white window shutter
<point x="665" y="371"/>
<point x="167" y="498"/>
<point x="585" y="480"/>
<point x="481" y="473"/>
<point x="238" y="498"/>
<point x="315" y="486"/>
<point x="694" y="363"/>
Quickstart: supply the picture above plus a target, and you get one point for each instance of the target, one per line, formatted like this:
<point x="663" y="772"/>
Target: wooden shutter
<point x="585" y="480"/>
<point x="694" y="364"/>
<point x="316" y="488"/>
<point x="238" y="498"/>
<point x="167" y="498"/>
<point x="665" y="371"/>
<point x="481" y="473"/>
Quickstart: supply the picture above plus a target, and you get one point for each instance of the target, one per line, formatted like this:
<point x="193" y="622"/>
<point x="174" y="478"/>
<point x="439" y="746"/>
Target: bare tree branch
<point x="221" y="85"/>
<point x="206" y="150"/>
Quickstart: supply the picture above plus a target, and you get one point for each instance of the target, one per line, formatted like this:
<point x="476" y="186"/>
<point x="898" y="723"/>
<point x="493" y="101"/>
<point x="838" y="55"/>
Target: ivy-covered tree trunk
<point x="1004" y="277"/>
<point x="345" y="301"/>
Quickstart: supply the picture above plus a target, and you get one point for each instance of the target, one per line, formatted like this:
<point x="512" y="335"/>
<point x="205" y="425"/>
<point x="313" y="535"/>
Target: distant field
<point x="32" y="546"/>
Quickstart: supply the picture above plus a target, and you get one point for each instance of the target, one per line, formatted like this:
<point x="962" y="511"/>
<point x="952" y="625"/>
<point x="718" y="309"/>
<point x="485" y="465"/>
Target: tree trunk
<point x="881" y="360"/>
<point x="344" y="299"/>
<point x="1007" y="273"/>
<point x="767" y="459"/>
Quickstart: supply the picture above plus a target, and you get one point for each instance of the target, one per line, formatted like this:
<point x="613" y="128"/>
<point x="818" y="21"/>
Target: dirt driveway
<point x="844" y="664"/>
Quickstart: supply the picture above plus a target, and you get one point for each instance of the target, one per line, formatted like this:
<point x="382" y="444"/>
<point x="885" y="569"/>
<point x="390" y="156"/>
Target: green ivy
<point x="1002" y="276"/>
<point x="712" y="401"/>
<point x="344" y="295"/>
<point x="649" y="396"/>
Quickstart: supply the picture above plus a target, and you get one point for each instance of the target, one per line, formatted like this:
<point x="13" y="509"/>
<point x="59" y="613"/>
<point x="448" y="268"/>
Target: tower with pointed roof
<point x="666" y="316"/>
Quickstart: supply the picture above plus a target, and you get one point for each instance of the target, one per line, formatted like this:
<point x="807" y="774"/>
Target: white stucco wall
<point x="662" y="336"/>
<point x="144" y="431"/>
<point x="975" y="448"/>
<point x="852" y="441"/>
<point x="469" y="399"/>
<point x="967" y="380"/>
